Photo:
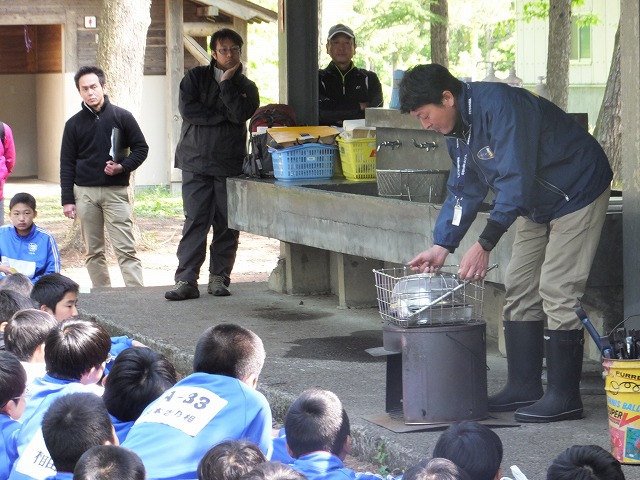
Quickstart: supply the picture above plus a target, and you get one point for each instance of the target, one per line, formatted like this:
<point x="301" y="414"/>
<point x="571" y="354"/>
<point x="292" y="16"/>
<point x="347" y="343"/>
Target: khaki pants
<point x="550" y="264"/>
<point x="107" y="207"/>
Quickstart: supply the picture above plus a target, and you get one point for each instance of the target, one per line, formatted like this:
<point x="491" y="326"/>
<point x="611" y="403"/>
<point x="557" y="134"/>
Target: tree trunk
<point x="559" y="51"/>
<point x="608" y="129"/>
<point x="440" y="32"/>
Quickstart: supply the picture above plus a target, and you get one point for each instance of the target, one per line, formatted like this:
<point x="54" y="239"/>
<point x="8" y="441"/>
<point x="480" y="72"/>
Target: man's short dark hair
<point x="75" y="346"/>
<point x="229" y="349"/>
<point x="229" y="460"/>
<point x="26" y="331"/>
<point x="316" y="421"/>
<point x="52" y="288"/>
<point x="473" y="447"/>
<point x="23" y="197"/>
<point x="11" y="302"/>
<point x="225" y="34"/>
<point x="273" y="471"/>
<point x="17" y="282"/>
<point x="12" y="378"/>
<point x="89" y="69"/>
<point x="72" y="425"/>
<point x="425" y="84"/>
<point x="585" y="462"/>
<point x="138" y="376"/>
<point x="109" y="462"/>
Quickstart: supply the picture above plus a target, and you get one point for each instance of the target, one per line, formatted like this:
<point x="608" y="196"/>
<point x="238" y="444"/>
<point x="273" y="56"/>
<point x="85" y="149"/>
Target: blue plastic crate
<point x="311" y="160"/>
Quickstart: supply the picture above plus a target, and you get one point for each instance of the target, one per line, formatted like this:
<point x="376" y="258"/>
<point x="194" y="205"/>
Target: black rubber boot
<point x="562" y="399"/>
<point x="524" y="344"/>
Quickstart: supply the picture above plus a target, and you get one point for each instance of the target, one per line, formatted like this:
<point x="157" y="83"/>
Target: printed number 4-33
<point x="200" y="402"/>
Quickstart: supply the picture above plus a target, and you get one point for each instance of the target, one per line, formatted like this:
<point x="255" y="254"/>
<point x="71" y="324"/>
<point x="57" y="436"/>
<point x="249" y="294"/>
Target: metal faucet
<point x="389" y="143"/>
<point x="428" y="146"/>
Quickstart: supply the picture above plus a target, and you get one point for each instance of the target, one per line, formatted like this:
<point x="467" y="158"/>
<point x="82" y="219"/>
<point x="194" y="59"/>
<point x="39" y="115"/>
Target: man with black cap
<point x="345" y="90"/>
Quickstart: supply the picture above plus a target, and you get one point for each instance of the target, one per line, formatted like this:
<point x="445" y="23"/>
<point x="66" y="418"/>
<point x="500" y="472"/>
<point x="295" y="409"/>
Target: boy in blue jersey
<point x="318" y="437"/>
<point x="109" y="462"/>
<point x="25" y="247"/>
<point x="12" y="401"/>
<point x="217" y="402"/>
<point x="75" y="355"/>
<point x="230" y="460"/>
<point x="73" y="424"/>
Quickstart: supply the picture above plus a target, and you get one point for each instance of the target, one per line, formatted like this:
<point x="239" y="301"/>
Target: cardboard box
<point x="282" y="137"/>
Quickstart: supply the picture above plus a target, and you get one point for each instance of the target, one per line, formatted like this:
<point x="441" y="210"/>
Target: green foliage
<point x="539" y="10"/>
<point x="380" y="458"/>
<point x="158" y="202"/>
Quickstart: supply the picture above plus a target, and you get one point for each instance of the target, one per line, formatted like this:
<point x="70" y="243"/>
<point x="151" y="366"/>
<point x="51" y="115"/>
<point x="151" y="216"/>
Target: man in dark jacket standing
<point x="215" y="102"/>
<point x="552" y="180"/>
<point x="101" y="145"/>
<point x="345" y="90"/>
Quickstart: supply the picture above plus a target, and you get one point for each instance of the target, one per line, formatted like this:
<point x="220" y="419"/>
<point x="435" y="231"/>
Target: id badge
<point x="457" y="214"/>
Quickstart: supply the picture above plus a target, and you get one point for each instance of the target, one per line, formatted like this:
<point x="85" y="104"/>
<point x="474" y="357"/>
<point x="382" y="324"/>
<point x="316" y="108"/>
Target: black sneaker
<point x="182" y="291"/>
<point x="217" y="287"/>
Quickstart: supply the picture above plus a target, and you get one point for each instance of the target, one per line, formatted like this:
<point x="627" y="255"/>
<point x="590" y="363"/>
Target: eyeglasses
<point x="227" y="51"/>
<point x="26" y="395"/>
<point x="109" y="358"/>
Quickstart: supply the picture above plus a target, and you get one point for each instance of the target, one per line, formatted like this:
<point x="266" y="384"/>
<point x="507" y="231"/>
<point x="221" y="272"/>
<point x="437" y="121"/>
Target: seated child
<point x="230" y="460"/>
<point x="12" y="400"/>
<point x="75" y="355"/>
<point x="17" y="282"/>
<point x="25" y="247"/>
<point x="10" y="303"/>
<point x="273" y="471"/>
<point x="318" y="436"/>
<point x="436" y="469"/>
<point x="588" y="462"/>
<point x="109" y="462"/>
<point x="25" y="334"/>
<point x="215" y="403"/>
<point x="58" y="295"/>
<point x="72" y="425"/>
<point x="138" y="377"/>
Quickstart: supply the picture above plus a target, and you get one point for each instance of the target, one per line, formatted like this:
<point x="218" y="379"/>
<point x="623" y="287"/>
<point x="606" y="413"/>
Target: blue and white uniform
<point x="176" y="430"/>
<point x="33" y="255"/>
<point x="121" y="428"/>
<point x="9" y="429"/>
<point x="323" y="465"/>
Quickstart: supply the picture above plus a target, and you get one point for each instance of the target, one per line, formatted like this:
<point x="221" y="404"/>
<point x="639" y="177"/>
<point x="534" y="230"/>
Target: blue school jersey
<point x="176" y="430"/>
<point x="121" y="428"/>
<point x="322" y="465"/>
<point x="33" y="255"/>
<point x="8" y="446"/>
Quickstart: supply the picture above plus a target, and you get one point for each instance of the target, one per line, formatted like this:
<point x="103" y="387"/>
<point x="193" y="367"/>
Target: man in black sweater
<point x="101" y="145"/>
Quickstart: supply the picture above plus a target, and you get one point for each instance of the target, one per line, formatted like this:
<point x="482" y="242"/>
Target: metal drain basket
<point x="407" y="299"/>
<point x="426" y="186"/>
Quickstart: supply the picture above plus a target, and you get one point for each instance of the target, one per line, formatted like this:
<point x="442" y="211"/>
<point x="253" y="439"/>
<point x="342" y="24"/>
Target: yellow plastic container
<point x="622" y="385"/>
<point x="358" y="158"/>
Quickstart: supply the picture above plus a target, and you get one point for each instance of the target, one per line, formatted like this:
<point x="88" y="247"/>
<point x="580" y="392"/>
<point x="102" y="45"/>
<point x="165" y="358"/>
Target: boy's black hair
<point x="11" y="302"/>
<point x="17" y="282"/>
<point x="585" y="462"/>
<point x="229" y="460"/>
<point x="72" y="425"/>
<point x="473" y="447"/>
<point x="12" y="378"/>
<point x="273" y="471"/>
<point x="52" y="288"/>
<point x="23" y="197"/>
<point x="425" y="84"/>
<point x="26" y="331"/>
<point x="436" y="469"/>
<point x="225" y="33"/>
<point x="86" y="70"/>
<point x="316" y="421"/>
<point x="138" y="376"/>
<point x="75" y="346"/>
<point x="229" y="349"/>
<point x="109" y="462"/>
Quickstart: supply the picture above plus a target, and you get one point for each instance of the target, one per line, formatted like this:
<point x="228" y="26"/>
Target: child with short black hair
<point x="72" y="425"/>
<point x="215" y="403"/>
<point x="109" y="462"/>
<point x="12" y="401"/>
<point x="230" y="460"/>
<point x="10" y="303"/>
<point x="137" y="378"/>
<point x="587" y="462"/>
<point x="436" y="469"/>
<point x="25" y="247"/>
<point x="273" y="471"/>
<point x="25" y="334"/>
<point x="18" y="282"/>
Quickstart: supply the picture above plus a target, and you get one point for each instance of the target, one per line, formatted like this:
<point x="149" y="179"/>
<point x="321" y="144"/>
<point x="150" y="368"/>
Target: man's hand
<point x="229" y="73"/>
<point x="474" y="264"/>
<point x="69" y="210"/>
<point x="113" y="168"/>
<point x="430" y="260"/>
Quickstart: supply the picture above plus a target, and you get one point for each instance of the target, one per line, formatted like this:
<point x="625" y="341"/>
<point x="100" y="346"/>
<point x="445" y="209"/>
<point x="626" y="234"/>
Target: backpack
<point x="258" y="162"/>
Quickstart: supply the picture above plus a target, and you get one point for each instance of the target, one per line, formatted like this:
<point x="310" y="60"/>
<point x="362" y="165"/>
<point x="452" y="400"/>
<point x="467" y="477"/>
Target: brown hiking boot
<point x="182" y="291"/>
<point x="217" y="286"/>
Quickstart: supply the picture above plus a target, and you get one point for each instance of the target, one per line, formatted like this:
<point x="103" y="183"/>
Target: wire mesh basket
<point x="426" y="186"/>
<point x="415" y="300"/>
